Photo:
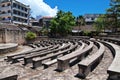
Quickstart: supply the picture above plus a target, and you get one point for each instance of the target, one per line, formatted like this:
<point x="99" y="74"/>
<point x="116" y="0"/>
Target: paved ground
<point x="26" y="73"/>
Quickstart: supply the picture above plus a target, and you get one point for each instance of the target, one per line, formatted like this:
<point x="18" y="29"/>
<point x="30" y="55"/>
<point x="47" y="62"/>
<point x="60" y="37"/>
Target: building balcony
<point x="20" y="16"/>
<point x="4" y="1"/>
<point x="15" y="8"/>
<point x="6" y="14"/>
<point x="6" y="8"/>
<point x="5" y="21"/>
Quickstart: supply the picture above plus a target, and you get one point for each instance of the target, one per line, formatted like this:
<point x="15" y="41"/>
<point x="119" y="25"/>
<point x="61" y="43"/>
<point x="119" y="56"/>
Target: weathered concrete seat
<point x="22" y="55"/>
<point x="114" y="69"/>
<point x="63" y="62"/>
<point x="47" y="64"/>
<point x="28" y="58"/>
<point x="32" y="45"/>
<point x="113" y="40"/>
<point x="8" y="76"/>
<point x="38" y="61"/>
<point x="89" y="63"/>
<point x="9" y="47"/>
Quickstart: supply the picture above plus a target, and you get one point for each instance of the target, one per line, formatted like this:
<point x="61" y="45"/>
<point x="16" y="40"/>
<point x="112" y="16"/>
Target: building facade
<point x="45" y="21"/>
<point x="91" y="18"/>
<point x="12" y="11"/>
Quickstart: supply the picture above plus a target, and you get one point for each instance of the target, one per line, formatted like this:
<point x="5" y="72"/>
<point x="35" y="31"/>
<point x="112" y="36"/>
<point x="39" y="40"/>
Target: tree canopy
<point x="113" y="13"/>
<point x="62" y="24"/>
<point x="101" y="23"/>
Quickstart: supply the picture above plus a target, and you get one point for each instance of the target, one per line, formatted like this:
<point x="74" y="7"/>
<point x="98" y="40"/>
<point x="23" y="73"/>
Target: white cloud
<point x="39" y="7"/>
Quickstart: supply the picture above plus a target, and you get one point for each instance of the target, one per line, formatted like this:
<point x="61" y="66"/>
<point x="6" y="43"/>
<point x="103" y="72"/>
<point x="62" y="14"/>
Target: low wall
<point x="5" y="48"/>
<point x="12" y="36"/>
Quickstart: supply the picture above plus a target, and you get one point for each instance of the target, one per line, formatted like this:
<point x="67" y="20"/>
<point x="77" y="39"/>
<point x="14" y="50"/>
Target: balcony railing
<point x="20" y="16"/>
<point x="5" y="14"/>
<point x="5" y="8"/>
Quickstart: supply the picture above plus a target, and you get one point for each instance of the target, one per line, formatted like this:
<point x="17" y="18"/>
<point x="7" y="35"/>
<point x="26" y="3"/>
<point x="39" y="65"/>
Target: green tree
<point x="62" y="24"/>
<point x="113" y="14"/>
<point x="100" y="23"/>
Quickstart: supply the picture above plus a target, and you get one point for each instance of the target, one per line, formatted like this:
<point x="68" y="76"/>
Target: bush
<point x="87" y="33"/>
<point x="30" y="36"/>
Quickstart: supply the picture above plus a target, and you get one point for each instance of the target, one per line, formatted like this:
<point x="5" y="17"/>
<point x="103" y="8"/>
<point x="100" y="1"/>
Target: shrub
<point x="30" y="36"/>
<point x="87" y="33"/>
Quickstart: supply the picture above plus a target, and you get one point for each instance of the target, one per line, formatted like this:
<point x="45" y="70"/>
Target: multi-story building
<point x="90" y="18"/>
<point x="12" y="11"/>
<point x="45" y="21"/>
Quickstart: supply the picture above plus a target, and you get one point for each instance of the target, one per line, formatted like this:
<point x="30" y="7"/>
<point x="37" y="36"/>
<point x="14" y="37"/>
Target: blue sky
<point x="77" y="7"/>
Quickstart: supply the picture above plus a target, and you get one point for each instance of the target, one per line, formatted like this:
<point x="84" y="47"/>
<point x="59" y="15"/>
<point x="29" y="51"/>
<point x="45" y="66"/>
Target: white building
<point x="12" y="11"/>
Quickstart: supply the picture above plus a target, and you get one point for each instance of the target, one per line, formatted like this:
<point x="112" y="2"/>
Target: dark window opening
<point x="9" y="11"/>
<point x="18" y="13"/>
<point x="9" y="18"/>
<point x="3" y="12"/>
<point x="15" y="18"/>
<point x="22" y="8"/>
<point x="8" y="4"/>
<point x="3" y="18"/>
<point x="15" y="12"/>
<point x="26" y="9"/>
<point x="25" y="15"/>
<point x="18" y="7"/>
<point x="14" y="5"/>
<point x="18" y="19"/>
<point x="25" y="21"/>
<point x="92" y="18"/>
<point x="3" y="5"/>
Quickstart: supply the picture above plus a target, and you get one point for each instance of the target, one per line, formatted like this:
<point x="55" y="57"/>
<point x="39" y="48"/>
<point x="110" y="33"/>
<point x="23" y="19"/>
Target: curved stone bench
<point x="38" y="61"/>
<point x="113" y="40"/>
<point x="21" y="55"/>
<point x="15" y="58"/>
<point x="49" y="63"/>
<point x="114" y="69"/>
<point x="9" y="47"/>
<point x="8" y="76"/>
<point x="28" y="59"/>
<point x="63" y="62"/>
<point x="89" y="63"/>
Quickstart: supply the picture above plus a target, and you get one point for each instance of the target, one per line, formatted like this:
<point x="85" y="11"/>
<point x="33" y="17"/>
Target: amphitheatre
<point x="68" y="40"/>
<point x="72" y="58"/>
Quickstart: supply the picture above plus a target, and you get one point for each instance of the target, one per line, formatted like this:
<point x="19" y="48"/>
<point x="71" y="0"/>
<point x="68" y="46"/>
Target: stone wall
<point x="12" y="36"/>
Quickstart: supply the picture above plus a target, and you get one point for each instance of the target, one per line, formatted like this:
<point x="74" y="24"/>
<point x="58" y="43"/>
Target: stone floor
<point x="26" y="73"/>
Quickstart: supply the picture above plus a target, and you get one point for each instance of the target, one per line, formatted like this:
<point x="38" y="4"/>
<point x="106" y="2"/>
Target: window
<point x="92" y="18"/>
<point x="25" y="15"/>
<point x="18" y="19"/>
<point x="15" y="18"/>
<point x="3" y="18"/>
<point x="9" y="11"/>
<point x="9" y="18"/>
<point x="3" y="5"/>
<point x="3" y="12"/>
<point x="22" y="8"/>
<point x="18" y="7"/>
<point x="26" y="9"/>
<point x="22" y="14"/>
<point x="8" y="4"/>
<point x="15" y="12"/>
<point x="14" y="5"/>
<point x="25" y="21"/>
<point x="18" y="13"/>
